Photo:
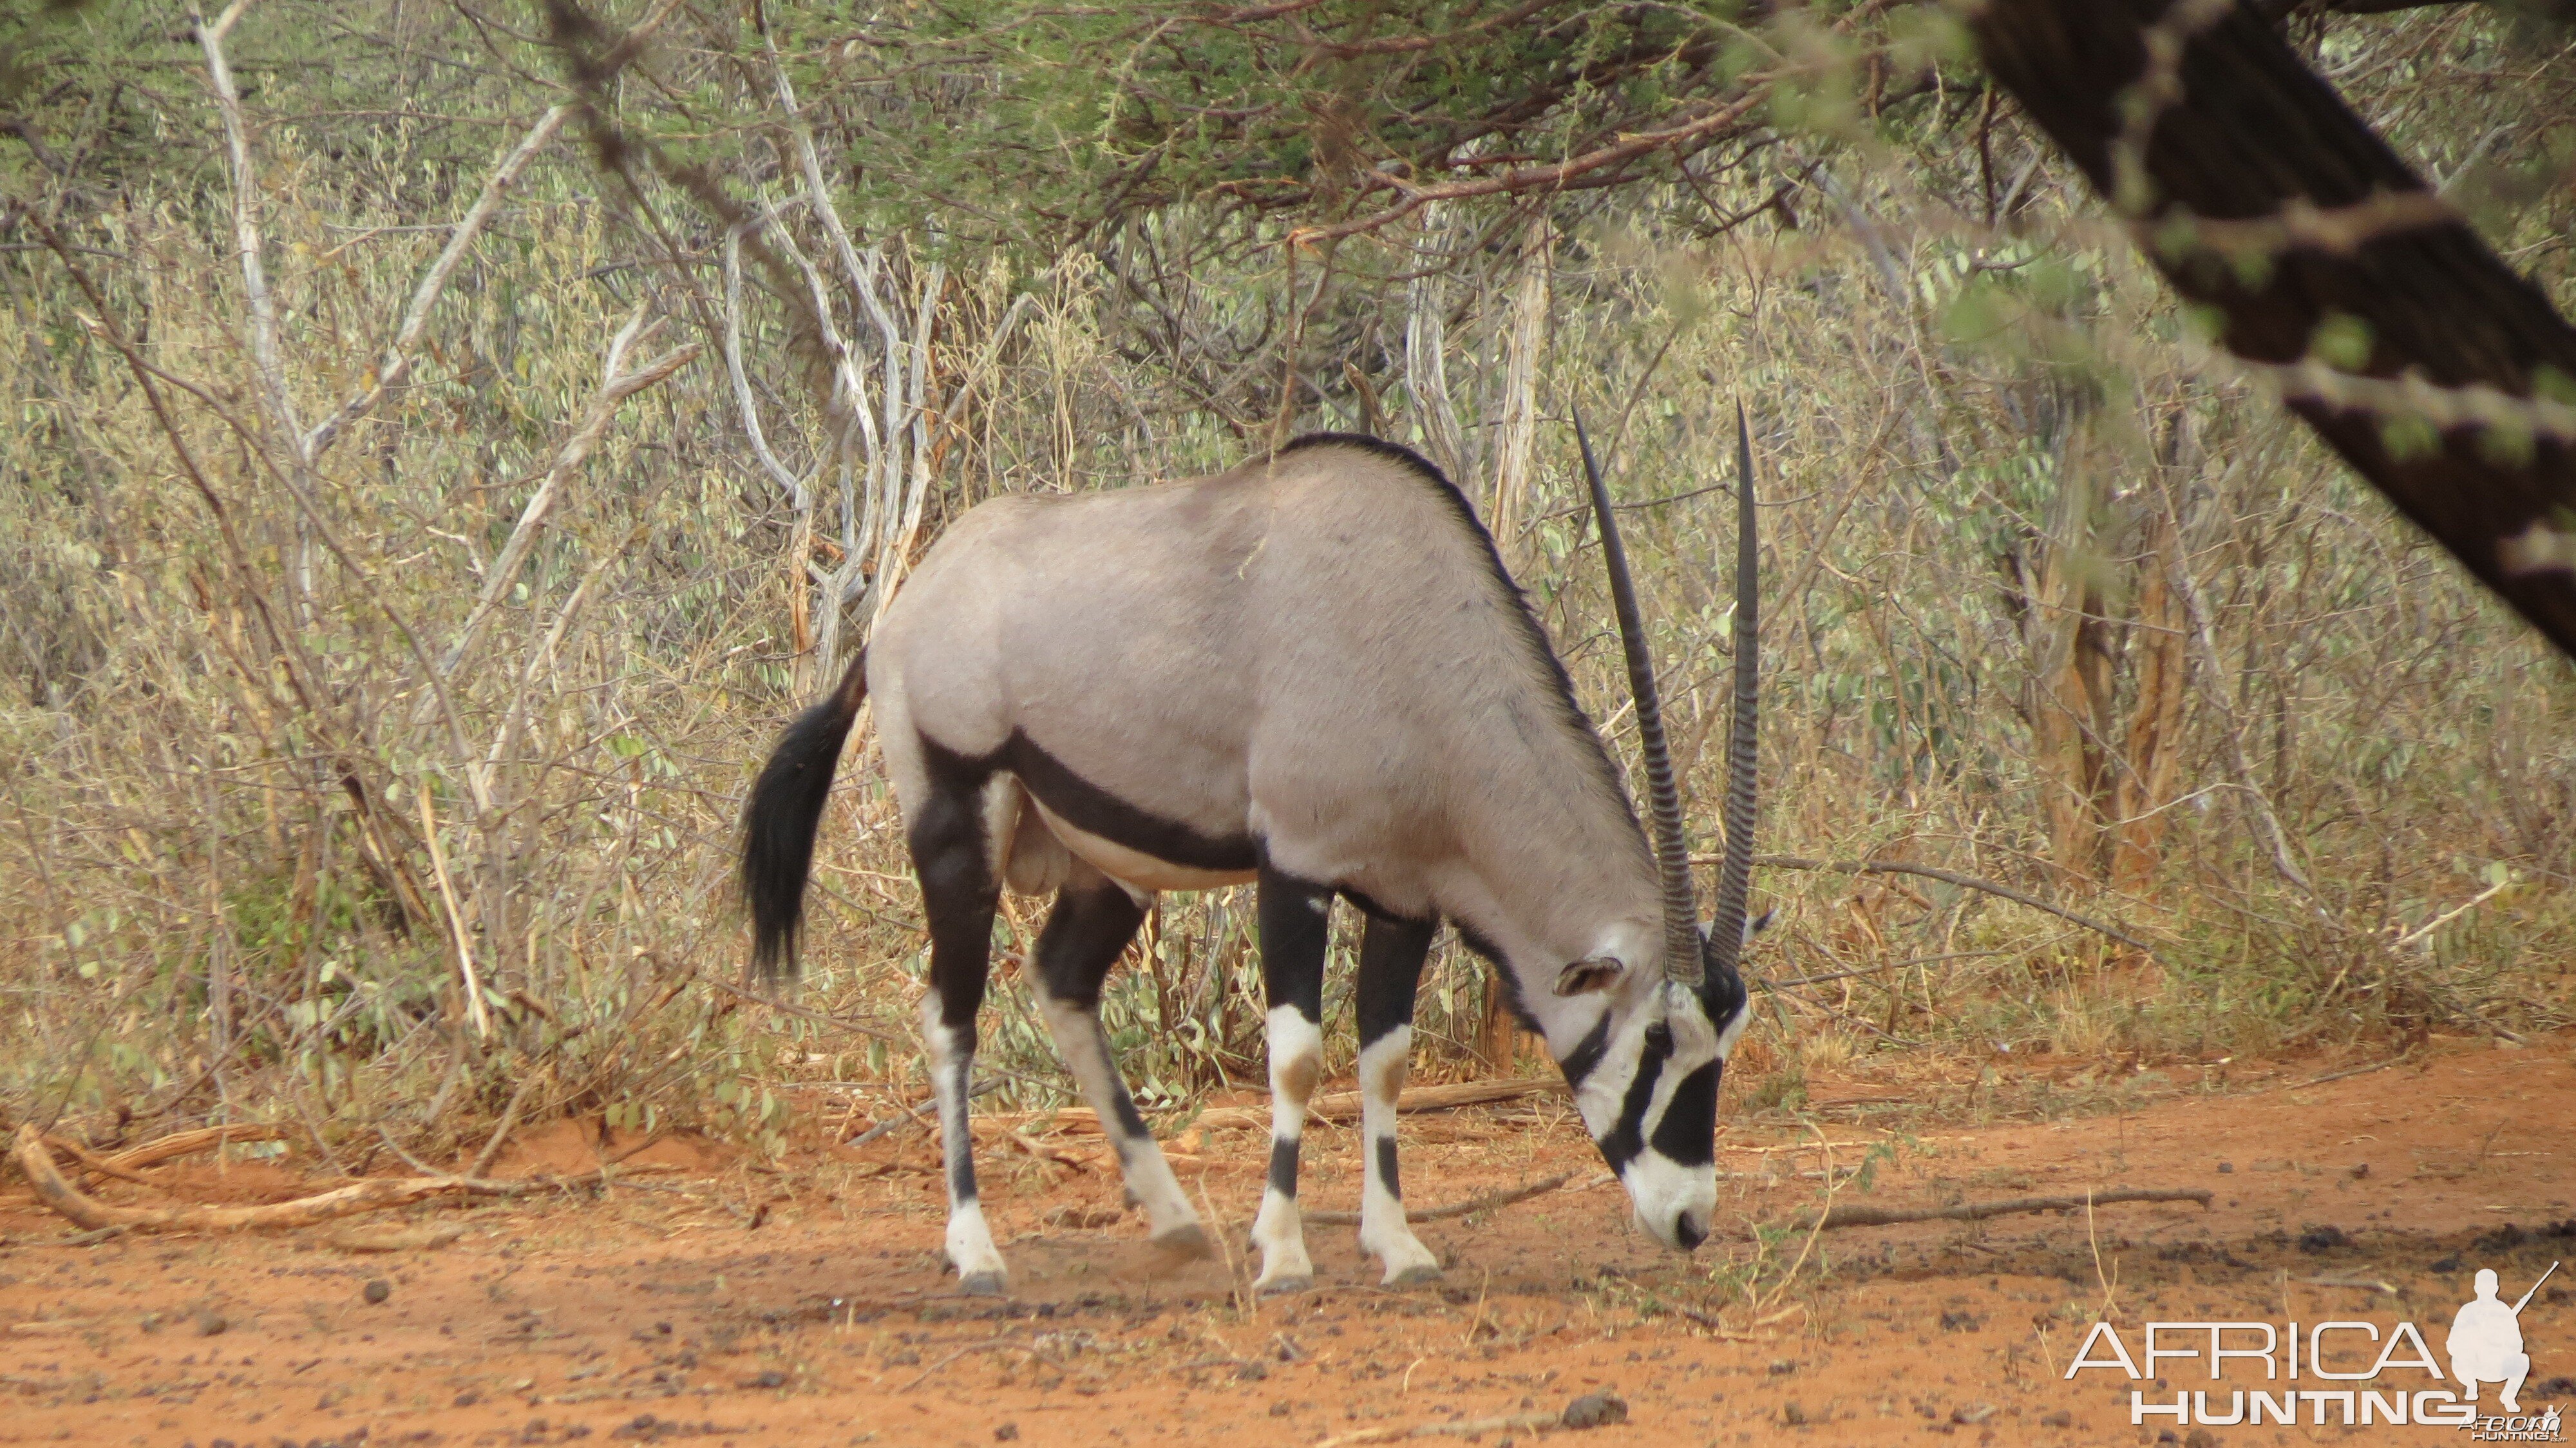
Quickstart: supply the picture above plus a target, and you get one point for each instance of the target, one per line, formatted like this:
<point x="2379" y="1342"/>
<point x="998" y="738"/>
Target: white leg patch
<point x="1079" y="1041"/>
<point x="1383" y="1232"/>
<point x="1296" y="1061"/>
<point x="970" y="1241"/>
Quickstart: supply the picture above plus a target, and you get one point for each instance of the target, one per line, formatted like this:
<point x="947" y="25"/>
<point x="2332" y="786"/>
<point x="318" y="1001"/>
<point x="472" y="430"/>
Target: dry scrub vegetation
<point x="390" y="625"/>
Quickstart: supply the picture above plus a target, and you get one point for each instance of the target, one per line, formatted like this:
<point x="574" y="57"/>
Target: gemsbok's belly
<point x="1130" y="865"/>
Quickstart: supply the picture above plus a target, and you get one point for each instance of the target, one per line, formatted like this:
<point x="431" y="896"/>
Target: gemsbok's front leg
<point x="1295" y="927"/>
<point x="1391" y="956"/>
<point x="959" y="896"/>
<point x="1093" y="919"/>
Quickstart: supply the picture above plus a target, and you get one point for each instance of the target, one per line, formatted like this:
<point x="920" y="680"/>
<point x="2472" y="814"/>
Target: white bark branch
<point x="575" y="451"/>
<point x="265" y="356"/>
<point x="395" y="365"/>
<point x="744" y="402"/>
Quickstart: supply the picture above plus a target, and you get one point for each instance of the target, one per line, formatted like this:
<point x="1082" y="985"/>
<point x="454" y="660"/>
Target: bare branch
<point x="1947" y="877"/>
<point x="263" y="308"/>
<point x="395" y="364"/>
<point x="568" y="460"/>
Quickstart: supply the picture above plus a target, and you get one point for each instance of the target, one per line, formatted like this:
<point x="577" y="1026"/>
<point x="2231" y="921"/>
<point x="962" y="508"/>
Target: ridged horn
<point x="1735" y="872"/>
<point x="1663" y="798"/>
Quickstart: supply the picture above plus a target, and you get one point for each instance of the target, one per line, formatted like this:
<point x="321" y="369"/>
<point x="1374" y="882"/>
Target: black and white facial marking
<point x="1645" y="1079"/>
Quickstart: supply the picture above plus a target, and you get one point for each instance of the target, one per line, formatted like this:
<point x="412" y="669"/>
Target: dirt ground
<point x="701" y="1298"/>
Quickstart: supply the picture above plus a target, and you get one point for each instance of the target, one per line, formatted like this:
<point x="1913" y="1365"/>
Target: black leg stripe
<point x="1130" y="1120"/>
<point x="1386" y="1167"/>
<point x="1283" y="1165"/>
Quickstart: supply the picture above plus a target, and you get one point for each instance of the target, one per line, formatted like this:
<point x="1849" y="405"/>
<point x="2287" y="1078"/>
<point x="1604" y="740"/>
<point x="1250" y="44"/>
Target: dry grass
<point x="2053" y="601"/>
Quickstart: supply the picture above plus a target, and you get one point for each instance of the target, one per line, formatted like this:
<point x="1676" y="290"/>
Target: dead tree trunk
<point x="2445" y="379"/>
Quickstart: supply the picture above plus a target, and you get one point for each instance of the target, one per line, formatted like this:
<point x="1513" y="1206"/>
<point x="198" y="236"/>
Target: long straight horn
<point x="1735" y="874"/>
<point x="1664" y="800"/>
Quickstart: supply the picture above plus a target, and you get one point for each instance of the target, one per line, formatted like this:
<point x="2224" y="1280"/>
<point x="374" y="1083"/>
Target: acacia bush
<point x="390" y="630"/>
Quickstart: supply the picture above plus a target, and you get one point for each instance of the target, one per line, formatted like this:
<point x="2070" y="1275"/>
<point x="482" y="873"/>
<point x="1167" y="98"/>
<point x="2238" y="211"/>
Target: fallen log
<point x="185" y="1143"/>
<point x="92" y="1161"/>
<point x="1860" y="1215"/>
<point x="373" y="1194"/>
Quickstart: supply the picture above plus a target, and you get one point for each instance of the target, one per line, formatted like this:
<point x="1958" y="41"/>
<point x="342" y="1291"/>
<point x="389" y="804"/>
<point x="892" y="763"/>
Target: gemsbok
<point x="1312" y="672"/>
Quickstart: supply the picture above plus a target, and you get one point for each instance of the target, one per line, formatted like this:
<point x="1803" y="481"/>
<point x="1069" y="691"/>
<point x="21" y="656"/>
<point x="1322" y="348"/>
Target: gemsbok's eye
<point x="1659" y="1037"/>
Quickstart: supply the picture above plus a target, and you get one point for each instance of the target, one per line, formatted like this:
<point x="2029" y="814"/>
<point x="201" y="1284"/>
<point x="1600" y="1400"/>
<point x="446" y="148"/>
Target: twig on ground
<point x="509" y="1123"/>
<point x="1338" y="1105"/>
<point x="1464" y="1427"/>
<point x="1471" y="1206"/>
<point x="972" y="1347"/>
<point x="372" y="1194"/>
<point x="2347" y="1073"/>
<point x="911" y="1114"/>
<point x="1862" y="1215"/>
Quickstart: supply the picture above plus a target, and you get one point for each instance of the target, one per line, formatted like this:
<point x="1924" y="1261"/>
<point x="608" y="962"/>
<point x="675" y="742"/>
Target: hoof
<point x="1188" y="1243"/>
<point x="1283" y="1286"/>
<point x="1414" y="1276"/>
<point x="981" y="1284"/>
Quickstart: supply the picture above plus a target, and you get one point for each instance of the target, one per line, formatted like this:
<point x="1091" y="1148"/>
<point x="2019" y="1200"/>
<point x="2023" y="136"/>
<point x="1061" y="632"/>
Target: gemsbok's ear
<point x="1592" y="973"/>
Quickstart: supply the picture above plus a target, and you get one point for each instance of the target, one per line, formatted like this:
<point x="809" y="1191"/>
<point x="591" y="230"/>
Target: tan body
<point x="1297" y="656"/>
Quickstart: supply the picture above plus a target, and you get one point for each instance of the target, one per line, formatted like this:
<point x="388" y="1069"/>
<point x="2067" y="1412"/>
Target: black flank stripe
<point x="1093" y="810"/>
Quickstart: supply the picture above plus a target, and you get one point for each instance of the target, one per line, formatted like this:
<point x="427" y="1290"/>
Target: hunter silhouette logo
<point x="2486" y="1341"/>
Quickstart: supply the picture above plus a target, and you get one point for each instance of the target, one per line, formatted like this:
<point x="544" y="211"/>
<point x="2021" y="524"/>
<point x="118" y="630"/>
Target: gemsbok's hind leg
<point x="959" y="896"/>
<point x="1391" y="956"/>
<point x="1295" y="924"/>
<point x="1093" y="919"/>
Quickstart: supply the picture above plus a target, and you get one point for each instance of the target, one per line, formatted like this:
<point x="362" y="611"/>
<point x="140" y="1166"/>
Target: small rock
<point x="2059" y="1419"/>
<point x="1251" y="1370"/>
<point x="1971" y="1414"/>
<point x="2227" y="1168"/>
<point x="1782" y="1367"/>
<point x="1793" y="1415"/>
<point x="2360" y="1169"/>
<point x="2323" y="1239"/>
<point x="1595" y="1410"/>
<point x="1006" y="1433"/>
<point x="766" y="1378"/>
<point x="211" y="1324"/>
<point x="468" y="1398"/>
<point x="2201" y="1438"/>
<point x="1960" y="1322"/>
<point x="377" y="1290"/>
<point x="1281" y="1409"/>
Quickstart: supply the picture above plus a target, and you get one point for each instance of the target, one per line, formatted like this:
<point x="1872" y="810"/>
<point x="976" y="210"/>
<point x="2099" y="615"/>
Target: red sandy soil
<point x="722" y="1303"/>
